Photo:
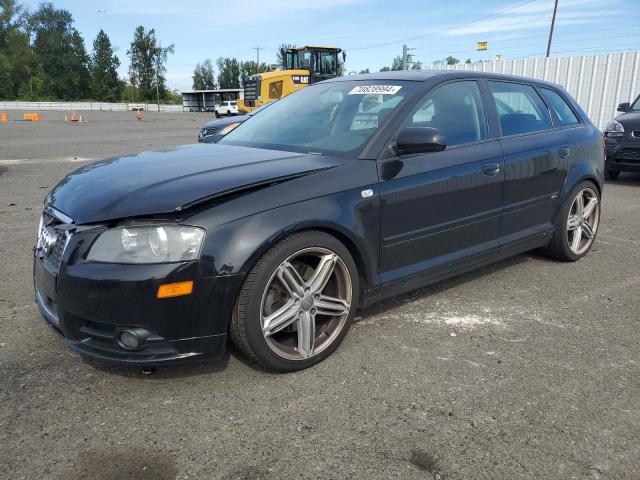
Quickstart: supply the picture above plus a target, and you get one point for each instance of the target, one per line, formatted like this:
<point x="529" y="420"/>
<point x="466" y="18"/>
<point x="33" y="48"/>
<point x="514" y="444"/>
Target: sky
<point x="371" y="32"/>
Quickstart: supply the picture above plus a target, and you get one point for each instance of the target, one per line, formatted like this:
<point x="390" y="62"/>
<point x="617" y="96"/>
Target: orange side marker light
<point x="169" y="290"/>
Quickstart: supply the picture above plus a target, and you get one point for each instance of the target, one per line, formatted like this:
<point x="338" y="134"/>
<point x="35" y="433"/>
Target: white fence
<point x="599" y="83"/>
<point x="81" y="106"/>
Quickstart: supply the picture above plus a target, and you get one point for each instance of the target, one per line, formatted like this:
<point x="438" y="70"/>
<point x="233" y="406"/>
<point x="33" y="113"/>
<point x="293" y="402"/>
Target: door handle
<point x="491" y="169"/>
<point x="564" y="152"/>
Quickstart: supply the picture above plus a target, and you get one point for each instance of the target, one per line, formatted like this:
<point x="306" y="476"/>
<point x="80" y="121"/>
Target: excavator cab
<point x="302" y="66"/>
<point x="321" y="62"/>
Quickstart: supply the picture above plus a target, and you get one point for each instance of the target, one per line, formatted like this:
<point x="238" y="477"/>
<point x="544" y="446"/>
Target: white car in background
<point x="227" y="108"/>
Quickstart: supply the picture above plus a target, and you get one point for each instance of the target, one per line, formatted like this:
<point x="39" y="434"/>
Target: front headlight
<point x="153" y="244"/>
<point x="614" y="129"/>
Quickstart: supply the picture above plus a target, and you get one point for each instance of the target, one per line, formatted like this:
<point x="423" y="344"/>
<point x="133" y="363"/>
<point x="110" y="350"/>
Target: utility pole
<point x="257" y="49"/>
<point x="404" y="56"/>
<point x="553" y="22"/>
<point x="158" y="77"/>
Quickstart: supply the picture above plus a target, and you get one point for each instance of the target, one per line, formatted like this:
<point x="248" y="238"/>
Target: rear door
<point x="442" y="208"/>
<point x="536" y="159"/>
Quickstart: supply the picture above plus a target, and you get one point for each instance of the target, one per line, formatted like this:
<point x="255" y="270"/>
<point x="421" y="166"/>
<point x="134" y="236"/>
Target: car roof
<point x="422" y="75"/>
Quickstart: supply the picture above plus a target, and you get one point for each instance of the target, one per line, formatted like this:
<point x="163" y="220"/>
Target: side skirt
<point x="430" y="277"/>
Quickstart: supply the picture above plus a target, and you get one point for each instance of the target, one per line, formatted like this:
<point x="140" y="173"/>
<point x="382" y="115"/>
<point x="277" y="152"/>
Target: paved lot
<point x="525" y="369"/>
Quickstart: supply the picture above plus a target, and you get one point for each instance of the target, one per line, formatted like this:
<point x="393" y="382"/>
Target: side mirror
<point x="624" y="107"/>
<point x="420" y="140"/>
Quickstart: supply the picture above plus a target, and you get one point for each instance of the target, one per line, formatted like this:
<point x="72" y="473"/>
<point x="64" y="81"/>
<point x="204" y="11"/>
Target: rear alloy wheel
<point x="577" y="224"/>
<point x="297" y="303"/>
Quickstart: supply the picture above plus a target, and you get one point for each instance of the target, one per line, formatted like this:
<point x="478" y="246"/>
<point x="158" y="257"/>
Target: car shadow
<point x="207" y="367"/>
<point x="628" y="179"/>
<point x="444" y="285"/>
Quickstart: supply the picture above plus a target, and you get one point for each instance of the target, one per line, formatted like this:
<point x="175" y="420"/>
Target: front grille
<point x="636" y="134"/>
<point x="628" y="155"/>
<point x="52" y="240"/>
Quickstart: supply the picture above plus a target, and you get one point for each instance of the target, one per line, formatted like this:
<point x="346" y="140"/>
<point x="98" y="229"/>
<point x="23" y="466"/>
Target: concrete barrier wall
<point x="82" y="106"/>
<point x="598" y="82"/>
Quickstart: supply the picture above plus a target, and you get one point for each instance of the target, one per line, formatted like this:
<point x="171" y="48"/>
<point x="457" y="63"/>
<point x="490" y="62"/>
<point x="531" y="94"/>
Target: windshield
<point x="335" y="118"/>
<point x="636" y="106"/>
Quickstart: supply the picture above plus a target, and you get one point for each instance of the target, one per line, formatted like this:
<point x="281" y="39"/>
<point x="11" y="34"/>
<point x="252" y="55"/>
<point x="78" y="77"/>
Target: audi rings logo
<point x="47" y="240"/>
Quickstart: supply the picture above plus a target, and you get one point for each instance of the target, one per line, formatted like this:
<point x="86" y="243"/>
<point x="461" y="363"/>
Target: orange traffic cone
<point x="4" y="117"/>
<point x="74" y="117"/>
<point x="138" y="115"/>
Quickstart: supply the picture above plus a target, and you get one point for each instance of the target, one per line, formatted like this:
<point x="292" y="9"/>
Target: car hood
<point x="630" y="121"/>
<point x="223" y="122"/>
<point x="171" y="180"/>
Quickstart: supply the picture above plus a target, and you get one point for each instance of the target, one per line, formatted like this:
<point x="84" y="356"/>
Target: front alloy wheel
<point x="297" y="303"/>
<point x="306" y="303"/>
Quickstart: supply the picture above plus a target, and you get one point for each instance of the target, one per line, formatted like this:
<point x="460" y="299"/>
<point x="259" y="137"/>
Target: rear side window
<point x="520" y="108"/>
<point x="456" y="110"/>
<point x="560" y="107"/>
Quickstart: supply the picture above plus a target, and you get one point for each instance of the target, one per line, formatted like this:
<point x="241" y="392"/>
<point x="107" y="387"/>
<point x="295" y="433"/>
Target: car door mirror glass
<point x="413" y="140"/>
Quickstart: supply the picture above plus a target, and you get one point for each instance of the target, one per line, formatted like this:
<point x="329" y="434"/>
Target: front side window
<point x="335" y="118"/>
<point x="456" y="110"/>
<point x="563" y="111"/>
<point x="520" y="108"/>
<point x="635" y="107"/>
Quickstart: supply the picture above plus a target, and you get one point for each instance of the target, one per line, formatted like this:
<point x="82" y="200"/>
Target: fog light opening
<point x="129" y="340"/>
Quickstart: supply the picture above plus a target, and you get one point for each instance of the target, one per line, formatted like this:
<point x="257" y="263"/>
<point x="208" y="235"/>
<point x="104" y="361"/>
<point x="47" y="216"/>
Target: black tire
<point x="228" y="113"/>
<point x="246" y="329"/>
<point x="611" y="174"/>
<point x="558" y="248"/>
<point x="217" y="114"/>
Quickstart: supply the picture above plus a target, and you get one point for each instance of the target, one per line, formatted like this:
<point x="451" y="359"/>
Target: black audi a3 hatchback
<point x="335" y="197"/>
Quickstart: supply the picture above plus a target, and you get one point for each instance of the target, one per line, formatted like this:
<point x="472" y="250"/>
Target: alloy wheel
<point x="583" y="220"/>
<point x="306" y="303"/>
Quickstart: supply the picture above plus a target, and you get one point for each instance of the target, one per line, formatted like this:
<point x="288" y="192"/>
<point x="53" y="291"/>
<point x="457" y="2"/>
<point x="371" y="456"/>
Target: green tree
<point x="366" y="70"/>
<point x="17" y="63"/>
<point x="204" y="77"/>
<point x="416" y="66"/>
<point x="228" y="72"/>
<point x="105" y="84"/>
<point x="385" y="69"/>
<point x="279" y="57"/>
<point x="60" y="52"/>
<point x="397" y="63"/>
<point x="447" y="61"/>
<point x="250" y="68"/>
<point x="148" y="64"/>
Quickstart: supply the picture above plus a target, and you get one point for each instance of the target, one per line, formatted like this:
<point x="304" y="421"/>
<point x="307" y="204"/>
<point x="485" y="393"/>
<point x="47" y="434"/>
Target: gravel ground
<point x="527" y="368"/>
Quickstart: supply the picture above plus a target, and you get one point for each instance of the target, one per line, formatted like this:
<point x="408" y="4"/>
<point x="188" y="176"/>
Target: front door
<point x="441" y="208"/>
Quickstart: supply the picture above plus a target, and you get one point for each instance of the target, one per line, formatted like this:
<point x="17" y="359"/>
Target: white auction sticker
<point x="375" y="89"/>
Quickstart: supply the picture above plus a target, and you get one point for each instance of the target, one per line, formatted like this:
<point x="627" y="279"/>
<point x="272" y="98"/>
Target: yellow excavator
<point x="302" y="66"/>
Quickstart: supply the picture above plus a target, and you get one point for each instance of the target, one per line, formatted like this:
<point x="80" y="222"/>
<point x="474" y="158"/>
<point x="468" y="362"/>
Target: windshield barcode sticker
<point x="375" y="89"/>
